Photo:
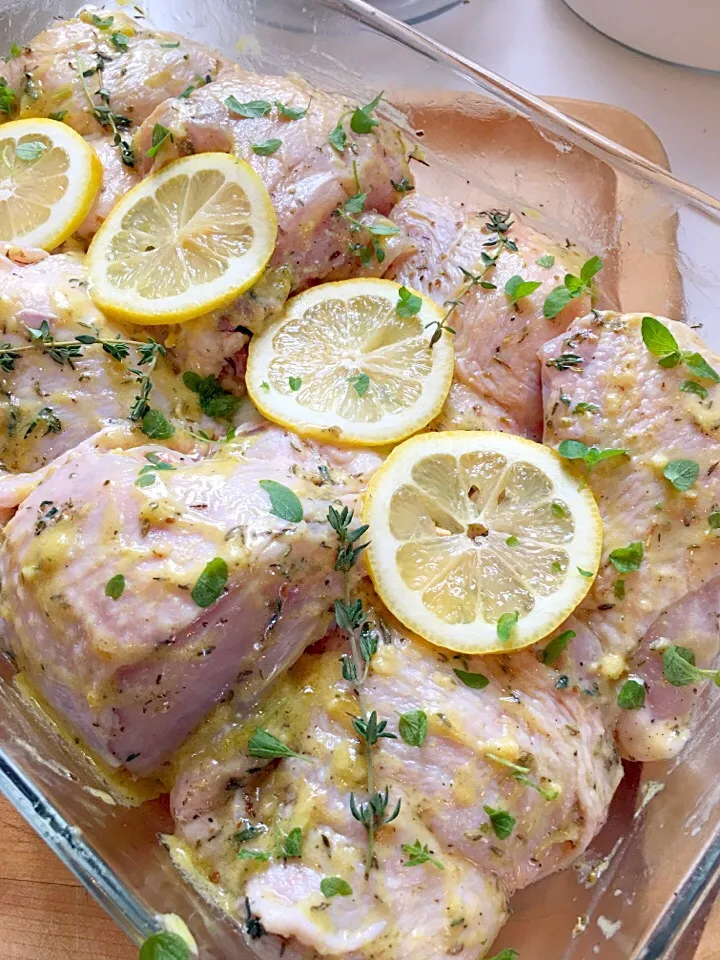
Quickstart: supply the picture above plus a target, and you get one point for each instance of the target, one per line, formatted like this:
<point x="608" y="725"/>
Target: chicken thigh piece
<point x="656" y="499"/>
<point x="50" y="401"/>
<point x="309" y="179"/>
<point x="115" y="615"/>
<point x="497" y="375"/>
<point x="65" y="68"/>
<point x="535" y="758"/>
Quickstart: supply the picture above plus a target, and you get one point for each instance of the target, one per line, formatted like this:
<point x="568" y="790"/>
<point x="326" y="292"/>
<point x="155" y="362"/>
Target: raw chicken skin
<point x="82" y="398"/>
<point x="138" y="67"/>
<point x="497" y="375"/>
<point x="307" y="177"/>
<point x="118" y="178"/>
<point x="133" y="676"/>
<point x="675" y="595"/>
<point x="421" y="912"/>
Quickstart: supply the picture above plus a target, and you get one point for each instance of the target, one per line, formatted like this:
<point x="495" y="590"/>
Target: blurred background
<point x="547" y="48"/>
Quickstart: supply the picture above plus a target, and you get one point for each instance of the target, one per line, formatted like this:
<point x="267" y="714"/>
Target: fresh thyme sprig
<point x="471" y="280"/>
<point x="351" y="617"/>
<point x="68" y="351"/>
<point x="102" y="112"/>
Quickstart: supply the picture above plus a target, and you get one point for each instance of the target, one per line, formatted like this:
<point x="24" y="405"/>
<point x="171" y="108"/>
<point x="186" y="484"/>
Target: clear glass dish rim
<point x="127" y="911"/>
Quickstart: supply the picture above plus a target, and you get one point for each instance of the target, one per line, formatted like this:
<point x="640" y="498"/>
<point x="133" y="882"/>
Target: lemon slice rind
<point x="75" y="182"/>
<point x="121" y="239"/>
<point x="480" y="636"/>
<point x="393" y="362"/>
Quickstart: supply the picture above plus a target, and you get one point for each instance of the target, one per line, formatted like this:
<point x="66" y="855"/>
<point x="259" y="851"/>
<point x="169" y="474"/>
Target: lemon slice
<point x="346" y="362"/>
<point x="49" y="177"/>
<point x="183" y="241"/>
<point x="482" y="542"/>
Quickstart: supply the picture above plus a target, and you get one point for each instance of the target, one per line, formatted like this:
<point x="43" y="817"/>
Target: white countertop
<point x="543" y="46"/>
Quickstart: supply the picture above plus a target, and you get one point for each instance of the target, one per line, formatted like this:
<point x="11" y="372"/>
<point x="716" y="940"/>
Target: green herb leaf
<point x="679" y="666"/>
<point x="507" y="954"/>
<point x="382" y="229"/>
<point x="546" y="260"/>
<point x="576" y="450"/>
<point x="249" y="833"/>
<point x="631" y="695"/>
<point x="361" y="120"/>
<point x="585" y="573"/>
<point x="682" y="474"/>
<point x="335" y="887"/>
<point x="418" y="854"/>
<point x="506" y="624"/>
<point x="627" y="559"/>
<point x="355" y="204"/>
<point x="211" y="583"/>
<point x="338" y="137"/>
<point x="156" y="426"/>
<point x="164" y="946"/>
<point x="30" y="150"/>
<point x="361" y="382"/>
<point x="284" y="503"/>
<point x="252" y="108"/>
<point x="409" y="304"/>
<point x="413" y="727"/>
<point x="584" y="407"/>
<point x="295" y="383"/>
<point x="590" y="268"/>
<point x="403" y="185"/>
<point x="698" y="365"/>
<point x="619" y="589"/>
<point x="292" y="845"/>
<point x="290" y="113"/>
<point x="556" y="647"/>
<point x="103" y="22"/>
<point x="115" y="587"/>
<point x="657" y="338"/>
<point x="680" y="670"/>
<point x="512" y="541"/>
<point x="266" y="147"/>
<point x="159" y="135"/>
<point x="565" y="361"/>
<point x="692" y="386"/>
<point x="213" y="400"/>
<point x="516" y="288"/>
<point x="119" y="41"/>
<point x="502" y="822"/>
<point x="556" y="301"/>
<point x="714" y="520"/>
<point x="7" y="97"/>
<point x="260" y="855"/>
<point x="475" y="680"/>
<point x="265" y="745"/>
<point x="58" y="115"/>
<point x="171" y="44"/>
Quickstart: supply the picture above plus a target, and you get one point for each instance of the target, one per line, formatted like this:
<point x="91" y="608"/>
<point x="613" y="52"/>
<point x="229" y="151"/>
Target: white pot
<point x="687" y="32"/>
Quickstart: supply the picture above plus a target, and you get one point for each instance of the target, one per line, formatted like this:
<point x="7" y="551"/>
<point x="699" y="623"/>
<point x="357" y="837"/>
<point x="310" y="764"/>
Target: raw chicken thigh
<point x="497" y="375"/>
<point x="673" y="594"/>
<point x="477" y="741"/>
<point x="134" y="674"/>
<point x="47" y="407"/>
<point x="308" y="178"/>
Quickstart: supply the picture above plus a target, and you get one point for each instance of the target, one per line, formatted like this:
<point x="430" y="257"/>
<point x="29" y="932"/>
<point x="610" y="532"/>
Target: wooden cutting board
<point x="45" y="914"/>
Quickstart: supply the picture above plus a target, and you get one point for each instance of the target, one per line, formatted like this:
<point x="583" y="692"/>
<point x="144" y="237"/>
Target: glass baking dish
<point x="643" y="889"/>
